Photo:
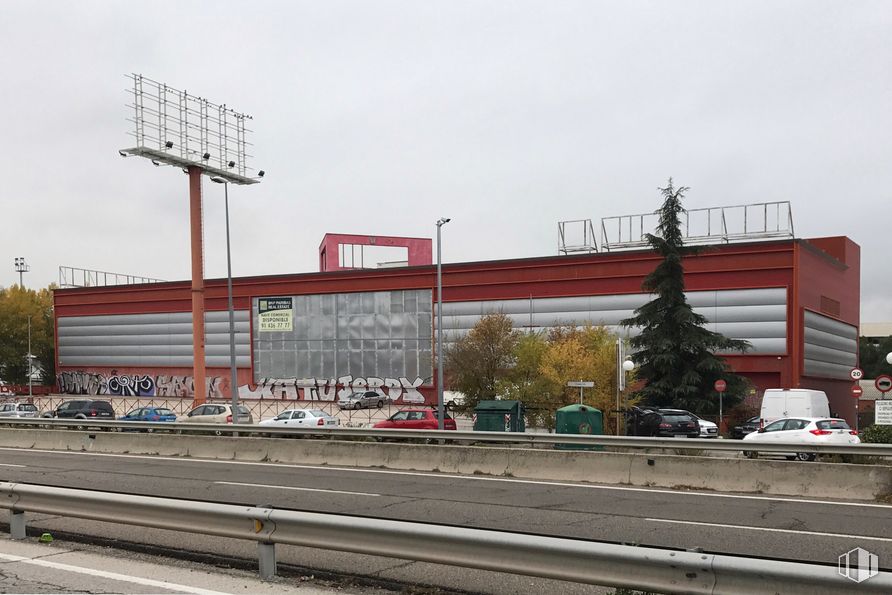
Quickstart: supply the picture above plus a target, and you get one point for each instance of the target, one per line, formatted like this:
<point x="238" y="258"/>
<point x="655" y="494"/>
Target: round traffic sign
<point x="720" y="385"/>
<point x="856" y="374"/>
<point x="883" y="383"/>
<point x="857" y="391"/>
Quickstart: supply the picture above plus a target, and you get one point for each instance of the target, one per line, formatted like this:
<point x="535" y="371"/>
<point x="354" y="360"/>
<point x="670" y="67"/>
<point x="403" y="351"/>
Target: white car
<point x="302" y="418"/>
<point x="803" y="430"/>
<point x="707" y="428"/>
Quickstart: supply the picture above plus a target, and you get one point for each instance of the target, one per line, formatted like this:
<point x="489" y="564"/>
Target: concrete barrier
<point x="818" y="480"/>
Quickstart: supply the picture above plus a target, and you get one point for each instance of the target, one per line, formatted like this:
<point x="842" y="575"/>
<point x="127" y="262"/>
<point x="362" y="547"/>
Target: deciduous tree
<point x="476" y="362"/>
<point x="16" y="305"/>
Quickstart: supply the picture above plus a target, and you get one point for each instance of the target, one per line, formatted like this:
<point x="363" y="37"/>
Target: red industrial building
<point x="308" y="336"/>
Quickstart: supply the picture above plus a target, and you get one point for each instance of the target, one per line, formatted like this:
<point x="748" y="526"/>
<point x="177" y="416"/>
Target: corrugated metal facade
<point x="796" y="301"/>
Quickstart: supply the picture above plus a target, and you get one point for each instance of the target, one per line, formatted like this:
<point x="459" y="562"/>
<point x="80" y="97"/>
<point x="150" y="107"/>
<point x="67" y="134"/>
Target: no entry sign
<point x="720" y="386"/>
<point x="857" y="391"/>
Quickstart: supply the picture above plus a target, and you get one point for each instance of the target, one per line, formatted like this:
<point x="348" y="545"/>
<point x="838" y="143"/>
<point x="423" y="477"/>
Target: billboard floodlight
<point x="175" y="128"/>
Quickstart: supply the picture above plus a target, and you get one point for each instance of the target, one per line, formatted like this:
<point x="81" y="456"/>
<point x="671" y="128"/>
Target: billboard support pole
<point x="198" y="363"/>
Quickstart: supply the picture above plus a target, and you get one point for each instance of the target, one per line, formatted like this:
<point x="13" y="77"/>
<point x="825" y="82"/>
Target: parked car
<point x="83" y="409"/>
<point x="297" y="418"/>
<point x="18" y="410"/>
<point x="416" y="418"/>
<point x="666" y="423"/>
<point x="748" y="427"/>
<point x="149" y="414"/>
<point x="707" y="428"/>
<point x="814" y="430"/>
<point x="362" y="400"/>
<point x="214" y="413"/>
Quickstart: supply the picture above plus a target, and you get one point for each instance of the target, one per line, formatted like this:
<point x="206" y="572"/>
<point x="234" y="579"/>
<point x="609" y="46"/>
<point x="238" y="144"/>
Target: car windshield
<point x="162" y="411"/>
<point x="674" y="419"/>
<point x="832" y="424"/>
<point x="28" y="407"/>
<point x="318" y="413"/>
<point x="242" y="410"/>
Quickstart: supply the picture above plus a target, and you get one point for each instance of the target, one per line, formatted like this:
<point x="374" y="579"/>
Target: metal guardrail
<point x="591" y="562"/>
<point x="524" y="438"/>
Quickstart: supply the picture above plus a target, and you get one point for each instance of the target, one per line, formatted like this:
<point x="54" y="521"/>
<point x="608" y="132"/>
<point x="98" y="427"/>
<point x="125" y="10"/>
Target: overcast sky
<point x="380" y="117"/>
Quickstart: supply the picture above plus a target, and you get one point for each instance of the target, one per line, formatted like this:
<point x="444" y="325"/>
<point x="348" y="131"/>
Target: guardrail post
<point x="17" y="524"/>
<point x="266" y="555"/>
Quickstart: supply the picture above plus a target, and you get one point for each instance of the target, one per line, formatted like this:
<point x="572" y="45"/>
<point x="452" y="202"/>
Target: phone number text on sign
<point x="277" y="321"/>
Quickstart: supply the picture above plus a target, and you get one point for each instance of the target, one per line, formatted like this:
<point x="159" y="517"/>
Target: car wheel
<point x="218" y="432"/>
<point x="357" y="406"/>
<point x="380" y="404"/>
<point x="806" y="456"/>
<point x="751" y="454"/>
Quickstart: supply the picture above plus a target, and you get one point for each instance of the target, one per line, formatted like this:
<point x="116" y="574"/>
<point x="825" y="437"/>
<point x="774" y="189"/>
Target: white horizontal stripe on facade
<point x="157" y="340"/>
<point x="831" y="347"/>
<point x="755" y="315"/>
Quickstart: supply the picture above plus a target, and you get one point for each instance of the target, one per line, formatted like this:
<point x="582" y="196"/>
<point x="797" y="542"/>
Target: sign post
<point x="581" y="384"/>
<point x="720" y="386"/>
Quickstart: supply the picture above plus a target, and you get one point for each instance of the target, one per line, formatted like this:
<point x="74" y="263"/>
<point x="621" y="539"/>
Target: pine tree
<point x="675" y="351"/>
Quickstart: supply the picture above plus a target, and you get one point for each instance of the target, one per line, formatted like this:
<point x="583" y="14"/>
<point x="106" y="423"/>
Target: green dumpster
<point x="579" y="419"/>
<point x="499" y="416"/>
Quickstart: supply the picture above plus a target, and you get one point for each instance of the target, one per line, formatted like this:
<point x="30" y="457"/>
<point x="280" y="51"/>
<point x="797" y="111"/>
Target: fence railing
<point x="436" y="436"/>
<point x="582" y="561"/>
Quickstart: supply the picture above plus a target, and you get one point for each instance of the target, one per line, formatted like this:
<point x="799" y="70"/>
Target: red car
<point x="416" y="419"/>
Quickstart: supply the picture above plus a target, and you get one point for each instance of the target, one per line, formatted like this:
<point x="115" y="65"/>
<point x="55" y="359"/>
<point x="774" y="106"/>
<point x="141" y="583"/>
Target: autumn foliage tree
<point x="16" y="305"/>
<point x="476" y="362"/>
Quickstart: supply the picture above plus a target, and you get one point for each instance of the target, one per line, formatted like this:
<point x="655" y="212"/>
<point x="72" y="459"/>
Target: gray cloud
<point x="381" y="117"/>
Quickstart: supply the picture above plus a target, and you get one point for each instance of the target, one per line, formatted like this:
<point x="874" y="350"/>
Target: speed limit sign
<point x="856" y="374"/>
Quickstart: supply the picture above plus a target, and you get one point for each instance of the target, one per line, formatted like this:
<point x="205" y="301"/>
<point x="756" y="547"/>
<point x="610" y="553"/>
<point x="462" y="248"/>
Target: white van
<point x="793" y="402"/>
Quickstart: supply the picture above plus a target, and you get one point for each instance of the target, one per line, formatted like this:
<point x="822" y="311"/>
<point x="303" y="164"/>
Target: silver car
<point x="18" y="410"/>
<point x="363" y="400"/>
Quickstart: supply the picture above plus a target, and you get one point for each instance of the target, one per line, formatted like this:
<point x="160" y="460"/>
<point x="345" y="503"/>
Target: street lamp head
<point x="628" y="365"/>
<point x="889" y="358"/>
<point x="443" y="221"/>
<point x="219" y="180"/>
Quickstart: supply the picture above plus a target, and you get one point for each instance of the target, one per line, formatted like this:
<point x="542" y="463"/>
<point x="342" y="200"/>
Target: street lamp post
<point x="30" y="369"/>
<point x="624" y="364"/>
<point x="440" y="413"/>
<point x="233" y="382"/>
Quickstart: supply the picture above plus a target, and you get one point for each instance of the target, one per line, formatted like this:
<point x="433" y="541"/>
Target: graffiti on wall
<point x="313" y="389"/>
<point x="302" y="389"/>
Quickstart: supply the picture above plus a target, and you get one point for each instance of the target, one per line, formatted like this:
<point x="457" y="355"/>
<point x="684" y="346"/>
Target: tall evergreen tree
<point x="675" y="352"/>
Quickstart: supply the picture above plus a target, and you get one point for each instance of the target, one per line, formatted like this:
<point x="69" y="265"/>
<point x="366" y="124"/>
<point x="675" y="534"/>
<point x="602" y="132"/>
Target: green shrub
<point x="877" y="435"/>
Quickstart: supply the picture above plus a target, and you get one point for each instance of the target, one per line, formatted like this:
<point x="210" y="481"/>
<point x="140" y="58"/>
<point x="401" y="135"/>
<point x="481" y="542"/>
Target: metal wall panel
<point x="352" y="334"/>
<point x="156" y="340"/>
<point x="831" y="347"/>
<point x="756" y="315"/>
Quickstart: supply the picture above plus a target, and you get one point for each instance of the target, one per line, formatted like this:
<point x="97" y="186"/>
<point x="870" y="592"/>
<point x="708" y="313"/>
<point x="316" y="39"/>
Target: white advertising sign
<point x="883" y="413"/>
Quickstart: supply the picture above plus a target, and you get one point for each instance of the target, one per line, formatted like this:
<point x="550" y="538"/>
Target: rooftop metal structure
<point x="75" y="277"/>
<point x="710" y="225"/>
<point x="578" y="237"/>
<point x="175" y="128"/>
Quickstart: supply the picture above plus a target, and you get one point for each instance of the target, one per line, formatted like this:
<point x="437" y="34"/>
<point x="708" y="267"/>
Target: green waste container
<point x="579" y="419"/>
<point x="499" y="416"/>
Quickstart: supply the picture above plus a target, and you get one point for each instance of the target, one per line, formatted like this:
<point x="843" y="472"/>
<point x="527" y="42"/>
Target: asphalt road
<point x="764" y="526"/>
